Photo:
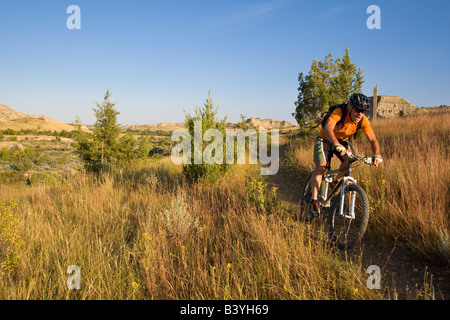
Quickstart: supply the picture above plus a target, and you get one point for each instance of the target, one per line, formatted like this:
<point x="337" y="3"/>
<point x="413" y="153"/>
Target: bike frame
<point x="342" y="185"/>
<point x="328" y="178"/>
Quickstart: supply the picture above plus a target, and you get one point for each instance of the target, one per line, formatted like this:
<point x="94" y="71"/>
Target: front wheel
<point x="348" y="219"/>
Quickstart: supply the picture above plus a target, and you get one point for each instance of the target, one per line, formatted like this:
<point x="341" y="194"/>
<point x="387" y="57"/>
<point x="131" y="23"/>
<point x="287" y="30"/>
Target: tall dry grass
<point x="410" y="191"/>
<point x="144" y="233"/>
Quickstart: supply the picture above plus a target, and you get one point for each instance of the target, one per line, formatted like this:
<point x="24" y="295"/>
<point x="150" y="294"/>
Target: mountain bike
<point x="348" y="202"/>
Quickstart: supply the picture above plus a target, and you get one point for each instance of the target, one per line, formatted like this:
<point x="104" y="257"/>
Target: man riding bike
<point x="335" y="138"/>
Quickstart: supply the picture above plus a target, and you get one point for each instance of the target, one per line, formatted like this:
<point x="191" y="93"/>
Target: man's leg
<point x="320" y="160"/>
<point x="342" y="169"/>
<point x="344" y="166"/>
<point x="316" y="179"/>
<point x="320" y="156"/>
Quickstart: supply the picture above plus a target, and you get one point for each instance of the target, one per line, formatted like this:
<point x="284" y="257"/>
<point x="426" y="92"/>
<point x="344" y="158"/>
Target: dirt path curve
<point x="404" y="274"/>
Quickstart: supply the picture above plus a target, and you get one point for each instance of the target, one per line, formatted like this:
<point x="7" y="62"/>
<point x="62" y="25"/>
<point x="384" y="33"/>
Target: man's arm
<point x="375" y="148"/>
<point x="328" y="130"/>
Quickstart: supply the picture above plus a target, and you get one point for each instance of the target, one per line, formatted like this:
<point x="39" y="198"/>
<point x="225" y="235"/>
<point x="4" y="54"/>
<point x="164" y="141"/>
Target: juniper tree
<point x="106" y="129"/>
<point x="328" y="82"/>
<point x="208" y="117"/>
<point x="103" y="148"/>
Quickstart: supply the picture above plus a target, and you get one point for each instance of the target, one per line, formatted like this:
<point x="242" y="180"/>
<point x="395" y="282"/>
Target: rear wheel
<point x="347" y="229"/>
<point x="305" y="201"/>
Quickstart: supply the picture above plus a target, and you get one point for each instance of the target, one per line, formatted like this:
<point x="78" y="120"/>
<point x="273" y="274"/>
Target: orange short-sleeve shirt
<point x="348" y="127"/>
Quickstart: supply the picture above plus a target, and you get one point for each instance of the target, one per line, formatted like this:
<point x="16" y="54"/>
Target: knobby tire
<point x="344" y="232"/>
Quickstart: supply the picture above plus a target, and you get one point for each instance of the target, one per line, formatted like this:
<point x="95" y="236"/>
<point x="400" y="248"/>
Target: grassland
<point x="144" y="233"/>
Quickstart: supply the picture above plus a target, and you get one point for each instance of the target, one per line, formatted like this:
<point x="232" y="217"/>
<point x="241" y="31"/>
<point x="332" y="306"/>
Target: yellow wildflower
<point x="146" y="236"/>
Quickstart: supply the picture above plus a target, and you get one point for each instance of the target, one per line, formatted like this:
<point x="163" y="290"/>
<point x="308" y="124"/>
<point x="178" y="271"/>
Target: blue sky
<point x="159" y="58"/>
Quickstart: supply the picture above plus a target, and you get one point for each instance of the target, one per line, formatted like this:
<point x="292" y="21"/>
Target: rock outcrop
<point x="6" y="113"/>
<point x="390" y="106"/>
<point x="15" y="120"/>
<point x="269" y="123"/>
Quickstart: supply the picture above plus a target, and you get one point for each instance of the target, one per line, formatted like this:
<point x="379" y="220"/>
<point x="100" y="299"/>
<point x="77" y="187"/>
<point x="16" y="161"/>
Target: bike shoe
<point x="314" y="212"/>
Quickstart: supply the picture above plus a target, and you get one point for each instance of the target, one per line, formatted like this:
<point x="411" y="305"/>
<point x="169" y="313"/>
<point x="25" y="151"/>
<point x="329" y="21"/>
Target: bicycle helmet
<point x="359" y="101"/>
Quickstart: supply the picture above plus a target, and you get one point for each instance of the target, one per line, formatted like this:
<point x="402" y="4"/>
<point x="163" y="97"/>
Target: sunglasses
<point x="359" y="110"/>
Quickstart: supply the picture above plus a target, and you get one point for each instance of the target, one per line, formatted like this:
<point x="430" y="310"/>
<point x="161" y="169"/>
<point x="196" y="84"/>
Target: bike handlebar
<point x="367" y="160"/>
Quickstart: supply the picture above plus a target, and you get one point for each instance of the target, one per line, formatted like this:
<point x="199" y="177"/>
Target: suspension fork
<point x="333" y="193"/>
<point x="348" y="181"/>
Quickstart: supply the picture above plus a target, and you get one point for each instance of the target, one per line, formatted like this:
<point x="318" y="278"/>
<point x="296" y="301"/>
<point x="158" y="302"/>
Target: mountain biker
<point x="334" y="138"/>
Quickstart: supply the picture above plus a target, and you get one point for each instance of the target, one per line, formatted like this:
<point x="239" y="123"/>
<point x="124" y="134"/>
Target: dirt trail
<point x="404" y="274"/>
